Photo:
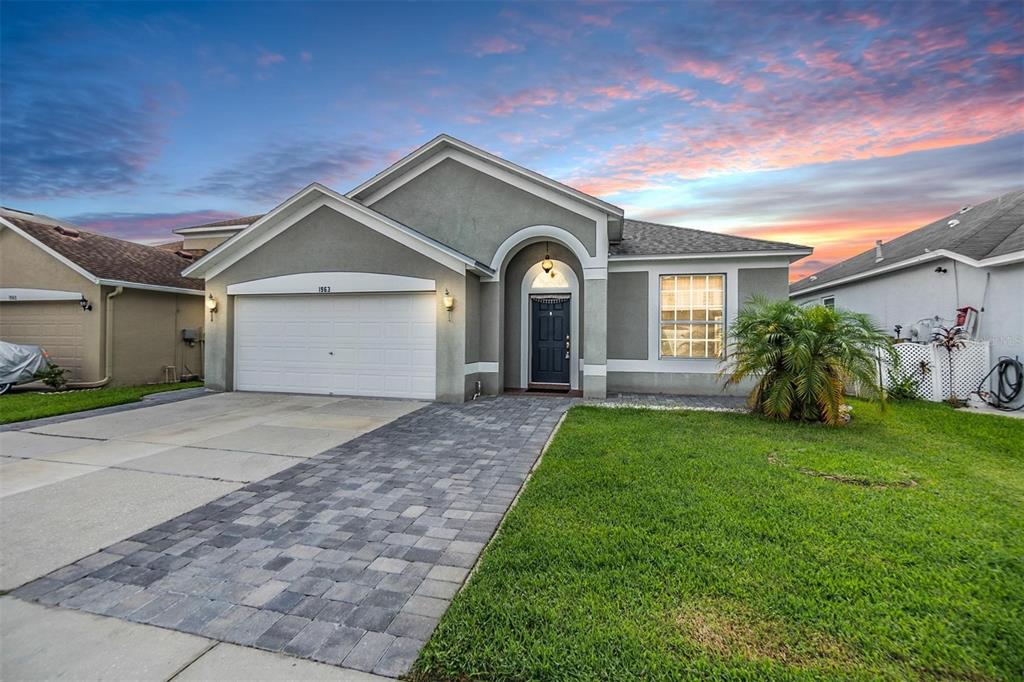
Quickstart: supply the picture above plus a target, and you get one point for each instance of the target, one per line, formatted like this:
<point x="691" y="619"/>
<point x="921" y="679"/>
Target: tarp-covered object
<point x="19" y="362"/>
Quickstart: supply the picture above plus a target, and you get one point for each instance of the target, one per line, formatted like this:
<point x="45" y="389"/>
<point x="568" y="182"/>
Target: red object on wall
<point x="962" y="313"/>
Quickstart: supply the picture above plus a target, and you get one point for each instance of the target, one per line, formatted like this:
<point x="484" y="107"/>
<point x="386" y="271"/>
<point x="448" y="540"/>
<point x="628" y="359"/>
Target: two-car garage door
<point x="353" y="344"/>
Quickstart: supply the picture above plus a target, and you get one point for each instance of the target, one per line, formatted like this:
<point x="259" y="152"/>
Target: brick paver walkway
<point x="349" y="558"/>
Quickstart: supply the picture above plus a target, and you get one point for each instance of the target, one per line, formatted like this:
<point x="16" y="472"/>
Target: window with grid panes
<point x="692" y="316"/>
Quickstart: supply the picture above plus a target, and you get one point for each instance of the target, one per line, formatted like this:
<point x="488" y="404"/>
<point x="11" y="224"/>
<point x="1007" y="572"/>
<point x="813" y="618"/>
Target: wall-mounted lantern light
<point x="449" y="303"/>
<point x="547" y="265"/>
<point x="85" y="304"/>
<point x="211" y="305"/>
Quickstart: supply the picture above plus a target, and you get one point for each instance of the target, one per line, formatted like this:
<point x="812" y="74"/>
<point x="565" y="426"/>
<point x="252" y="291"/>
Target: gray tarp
<point x="19" y="362"/>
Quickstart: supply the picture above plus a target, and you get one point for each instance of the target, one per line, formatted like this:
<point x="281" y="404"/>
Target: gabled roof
<point x="641" y="238"/>
<point x="442" y="143"/>
<point x="303" y="203"/>
<point x="102" y="259"/>
<point x="987" y="234"/>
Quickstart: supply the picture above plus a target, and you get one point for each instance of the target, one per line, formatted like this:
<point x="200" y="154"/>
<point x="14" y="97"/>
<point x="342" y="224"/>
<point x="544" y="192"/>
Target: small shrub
<point x="53" y="376"/>
<point x="803" y="358"/>
<point x="904" y="385"/>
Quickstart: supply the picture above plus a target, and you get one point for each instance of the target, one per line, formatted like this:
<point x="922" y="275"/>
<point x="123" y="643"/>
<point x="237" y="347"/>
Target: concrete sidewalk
<point x="47" y="643"/>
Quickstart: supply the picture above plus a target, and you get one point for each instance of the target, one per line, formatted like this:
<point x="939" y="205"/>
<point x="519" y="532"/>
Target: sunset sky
<point x="827" y="124"/>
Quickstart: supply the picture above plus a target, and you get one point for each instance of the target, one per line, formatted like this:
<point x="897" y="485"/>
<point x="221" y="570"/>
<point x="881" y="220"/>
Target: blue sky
<point x="823" y="123"/>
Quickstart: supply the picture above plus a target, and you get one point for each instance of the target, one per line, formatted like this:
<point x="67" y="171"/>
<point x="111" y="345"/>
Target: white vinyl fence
<point x="928" y="363"/>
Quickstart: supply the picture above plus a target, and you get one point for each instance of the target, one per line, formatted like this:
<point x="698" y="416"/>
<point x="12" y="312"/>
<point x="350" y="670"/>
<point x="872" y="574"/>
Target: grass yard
<point x="17" y="407"/>
<point x="665" y="545"/>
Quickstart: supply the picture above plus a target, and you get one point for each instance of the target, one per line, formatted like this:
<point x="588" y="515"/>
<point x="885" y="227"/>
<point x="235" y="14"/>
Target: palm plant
<point x="951" y="339"/>
<point x="803" y="358"/>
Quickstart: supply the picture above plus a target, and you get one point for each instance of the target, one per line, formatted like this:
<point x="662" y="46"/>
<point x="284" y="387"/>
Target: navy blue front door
<point x="549" y="335"/>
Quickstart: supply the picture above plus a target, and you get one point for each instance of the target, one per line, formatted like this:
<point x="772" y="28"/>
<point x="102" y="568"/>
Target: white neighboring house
<point x="974" y="257"/>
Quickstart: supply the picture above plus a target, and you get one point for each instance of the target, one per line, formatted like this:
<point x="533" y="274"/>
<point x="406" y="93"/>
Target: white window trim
<point x="825" y="302"/>
<point x="574" y="321"/>
<point x="725" y="316"/>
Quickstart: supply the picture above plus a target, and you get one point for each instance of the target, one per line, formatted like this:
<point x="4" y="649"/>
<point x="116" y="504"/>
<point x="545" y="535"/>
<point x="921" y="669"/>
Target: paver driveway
<point x="71" y="486"/>
<point x="349" y="557"/>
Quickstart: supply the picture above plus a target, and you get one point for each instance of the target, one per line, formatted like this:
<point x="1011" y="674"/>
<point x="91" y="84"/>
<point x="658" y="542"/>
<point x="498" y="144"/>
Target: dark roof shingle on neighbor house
<point x="994" y="228"/>
<point x="107" y="257"/>
<point x="641" y="238"/>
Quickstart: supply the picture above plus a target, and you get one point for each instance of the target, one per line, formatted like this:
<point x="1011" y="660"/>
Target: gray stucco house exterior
<point x="455" y="272"/>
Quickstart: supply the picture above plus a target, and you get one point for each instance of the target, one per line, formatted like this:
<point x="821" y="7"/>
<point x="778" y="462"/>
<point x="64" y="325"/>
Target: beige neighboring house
<point x="109" y="310"/>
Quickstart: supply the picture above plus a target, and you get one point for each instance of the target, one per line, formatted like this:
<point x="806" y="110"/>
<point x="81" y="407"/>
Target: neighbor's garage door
<point x="357" y="344"/>
<point x="54" y="325"/>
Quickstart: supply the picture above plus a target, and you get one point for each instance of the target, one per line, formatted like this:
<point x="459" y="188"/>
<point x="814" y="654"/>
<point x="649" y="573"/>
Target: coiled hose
<point x="1009" y="383"/>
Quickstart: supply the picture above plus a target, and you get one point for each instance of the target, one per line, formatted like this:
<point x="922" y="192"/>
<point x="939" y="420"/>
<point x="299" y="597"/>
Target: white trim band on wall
<point x="9" y="294"/>
<point x="333" y="283"/>
<point x="595" y="370"/>
<point x="481" y="368"/>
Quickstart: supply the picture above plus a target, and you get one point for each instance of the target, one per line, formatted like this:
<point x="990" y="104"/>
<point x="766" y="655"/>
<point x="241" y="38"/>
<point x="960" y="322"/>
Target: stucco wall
<point x="651" y="373"/>
<point x="472" y="305"/>
<point x="327" y="241"/>
<point x="770" y="282"/>
<point x="906" y="296"/>
<point x="513" y="296"/>
<point x="24" y="265"/>
<point x="473" y="212"/>
<point x="147" y="335"/>
<point x="627" y="315"/>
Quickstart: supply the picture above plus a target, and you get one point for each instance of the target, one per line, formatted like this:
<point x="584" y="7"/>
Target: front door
<point x="549" y="355"/>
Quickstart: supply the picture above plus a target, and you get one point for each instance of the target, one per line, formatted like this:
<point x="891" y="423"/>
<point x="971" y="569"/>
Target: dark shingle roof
<point x="641" y="238"/>
<point x="106" y="257"/>
<point x="243" y="220"/>
<point x="994" y="228"/>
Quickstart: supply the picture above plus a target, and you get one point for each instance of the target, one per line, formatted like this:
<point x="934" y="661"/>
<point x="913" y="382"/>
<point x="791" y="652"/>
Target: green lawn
<point x="665" y="545"/>
<point x="17" y="407"/>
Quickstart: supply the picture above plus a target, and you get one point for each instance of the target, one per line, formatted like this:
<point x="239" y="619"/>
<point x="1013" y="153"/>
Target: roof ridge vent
<point x="878" y="251"/>
<point x="966" y="208"/>
<point x="67" y="231"/>
<point x="953" y="223"/>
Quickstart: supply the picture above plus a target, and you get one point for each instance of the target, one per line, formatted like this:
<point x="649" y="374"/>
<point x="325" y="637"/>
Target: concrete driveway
<point x="69" y="489"/>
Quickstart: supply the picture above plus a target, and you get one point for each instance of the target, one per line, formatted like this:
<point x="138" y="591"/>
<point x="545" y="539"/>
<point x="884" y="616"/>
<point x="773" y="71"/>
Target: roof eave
<point x="996" y="261"/>
<point x="792" y="254"/>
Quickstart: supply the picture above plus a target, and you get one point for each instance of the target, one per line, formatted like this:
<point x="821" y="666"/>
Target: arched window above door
<point x="550" y="280"/>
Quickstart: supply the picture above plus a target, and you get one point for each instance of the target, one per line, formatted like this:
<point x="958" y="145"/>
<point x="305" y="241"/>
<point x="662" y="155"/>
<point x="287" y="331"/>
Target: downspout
<point x="108" y="358"/>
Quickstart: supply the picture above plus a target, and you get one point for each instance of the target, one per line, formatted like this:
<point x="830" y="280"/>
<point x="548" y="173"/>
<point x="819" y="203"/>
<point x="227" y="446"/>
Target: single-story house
<point x="109" y="310"/>
<point x="972" y="258"/>
<point x="455" y="272"/>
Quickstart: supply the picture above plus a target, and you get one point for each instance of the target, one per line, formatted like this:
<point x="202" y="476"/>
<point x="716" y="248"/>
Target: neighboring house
<point x="109" y="310"/>
<point x="454" y="271"/>
<point x="974" y="257"/>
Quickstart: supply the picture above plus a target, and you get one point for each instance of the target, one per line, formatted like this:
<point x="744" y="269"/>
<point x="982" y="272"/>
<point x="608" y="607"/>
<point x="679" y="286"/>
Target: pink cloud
<point x="495" y="45"/>
<point x="525" y="100"/>
<point x="798" y="131"/>
<point x="1005" y="49"/>
<point x="269" y="58"/>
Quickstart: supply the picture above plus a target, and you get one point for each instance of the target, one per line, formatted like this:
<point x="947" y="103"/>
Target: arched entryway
<point x="529" y="344"/>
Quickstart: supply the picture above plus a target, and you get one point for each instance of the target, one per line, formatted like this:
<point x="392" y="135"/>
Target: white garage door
<point x="359" y="344"/>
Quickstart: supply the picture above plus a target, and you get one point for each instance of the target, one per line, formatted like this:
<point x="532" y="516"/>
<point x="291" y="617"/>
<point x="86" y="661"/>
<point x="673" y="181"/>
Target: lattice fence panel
<point x="970" y="364"/>
<point x="929" y="364"/>
<point x="916" y="360"/>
